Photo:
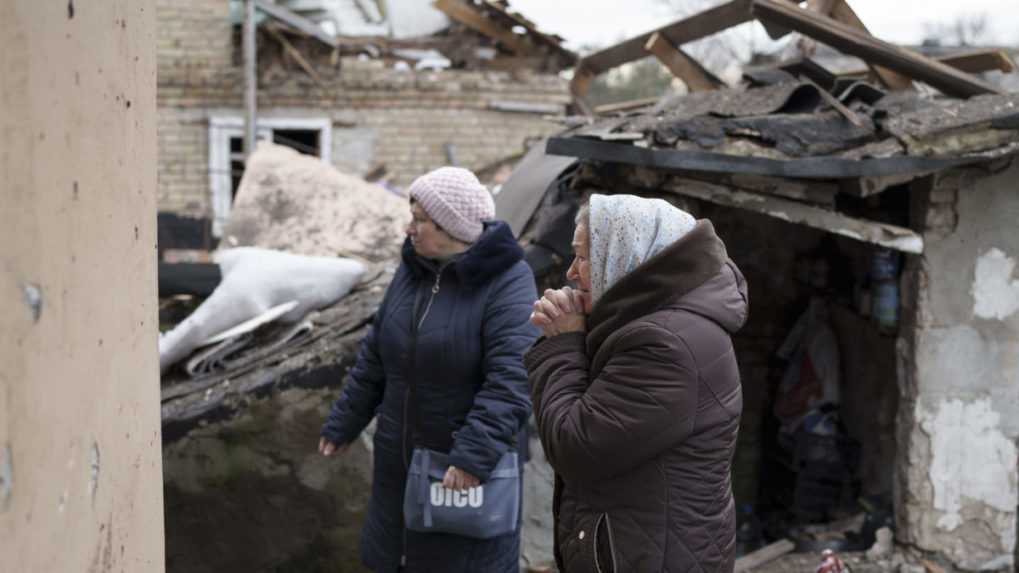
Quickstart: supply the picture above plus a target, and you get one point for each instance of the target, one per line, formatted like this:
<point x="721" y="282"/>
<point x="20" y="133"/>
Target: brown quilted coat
<point x="639" y="416"/>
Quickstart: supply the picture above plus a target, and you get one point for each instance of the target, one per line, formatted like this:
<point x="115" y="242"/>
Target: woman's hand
<point x="561" y="311"/>
<point x="327" y="448"/>
<point x="458" y="480"/>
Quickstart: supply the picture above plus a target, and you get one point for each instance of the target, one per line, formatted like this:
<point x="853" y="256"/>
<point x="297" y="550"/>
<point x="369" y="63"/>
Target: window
<point x="226" y="153"/>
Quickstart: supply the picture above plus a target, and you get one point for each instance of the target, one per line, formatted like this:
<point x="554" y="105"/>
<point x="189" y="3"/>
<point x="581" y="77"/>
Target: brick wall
<point x="403" y="119"/>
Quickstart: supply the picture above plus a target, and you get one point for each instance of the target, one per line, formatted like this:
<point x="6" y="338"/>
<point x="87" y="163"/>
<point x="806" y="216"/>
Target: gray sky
<point x="604" y="22"/>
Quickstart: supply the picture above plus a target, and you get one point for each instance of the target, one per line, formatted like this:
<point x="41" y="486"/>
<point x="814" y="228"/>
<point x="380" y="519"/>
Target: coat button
<point x="581" y="536"/>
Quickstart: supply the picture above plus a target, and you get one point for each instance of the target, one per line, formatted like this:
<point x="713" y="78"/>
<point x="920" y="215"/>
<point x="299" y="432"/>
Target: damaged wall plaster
<point x="995" y="289"/>
<point x="957" y="469"/>
<point x="6" y="477"/>
<point x="93" y="472"/>
<point x="972" y="461"/>
<point x="33" y="298"/>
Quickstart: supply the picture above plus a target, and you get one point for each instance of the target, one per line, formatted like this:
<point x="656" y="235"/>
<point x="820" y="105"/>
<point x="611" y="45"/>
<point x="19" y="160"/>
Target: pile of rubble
<point x="447" y="34"/>
<point x="304" y="261"/>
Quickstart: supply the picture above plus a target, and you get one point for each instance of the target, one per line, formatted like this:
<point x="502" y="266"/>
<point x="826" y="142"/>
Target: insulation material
<point x="254" y="282"/>
<point x="414" y="18"/>
<point x="297" y="203"/>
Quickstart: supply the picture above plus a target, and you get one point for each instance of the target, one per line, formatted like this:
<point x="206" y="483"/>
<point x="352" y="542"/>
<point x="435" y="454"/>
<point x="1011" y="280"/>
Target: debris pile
<point x="307" y="253"/>
<point x="447" y="34"/>
<point x="299" y="204"/>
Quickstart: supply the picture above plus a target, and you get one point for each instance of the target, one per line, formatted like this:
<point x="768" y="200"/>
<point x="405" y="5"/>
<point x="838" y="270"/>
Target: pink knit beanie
<point x="455" y="200"/>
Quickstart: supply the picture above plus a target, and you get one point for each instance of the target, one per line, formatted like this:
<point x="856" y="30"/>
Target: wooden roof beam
<point x="974" y="62"/>
<point x="856" y="42"/>
<point x="626" y="105"/>
<point x="696" y="78"/>
<point x="883" y="234"/>
<point x="468" y="16"/>
<point x="683" y="31"/>
<point x="841" y="11"/>
<point x="296" y="21"/>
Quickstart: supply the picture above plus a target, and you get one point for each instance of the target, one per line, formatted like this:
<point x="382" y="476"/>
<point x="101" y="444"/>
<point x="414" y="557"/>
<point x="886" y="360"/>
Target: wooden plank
<point x="680" y="32"/>
<point x="467" y="16"/>
<point x="626" y="105"/>
<point x="823" y="7"/>
<point x="764" y="555"/>
<point x="295" y="54"/>
<point x="833" y="101"/>
<point x="527" y="107"/>
<point x="515" y="18"/>
<point x="816" y="192"/>
<point x="981" y="61"/>
<point x="891" y="236"/>
<point x="975" y="62"/>
<point x="579" y="86"/>
<point x="819" y="193"/>
<point x="858" y="43"/>
<point x="296" y="21"/>
<point x="693" y="74"/>
<point x="841" y="11"/>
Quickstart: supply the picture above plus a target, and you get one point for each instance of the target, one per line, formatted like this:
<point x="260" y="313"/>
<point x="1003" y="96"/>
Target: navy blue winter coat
<point x="471" y="392"/>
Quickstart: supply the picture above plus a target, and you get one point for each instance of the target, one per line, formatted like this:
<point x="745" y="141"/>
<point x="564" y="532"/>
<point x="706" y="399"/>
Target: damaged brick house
<point x="385" y="86"/>
<point x="892" y="203"/>
<point x="893" y="209"/>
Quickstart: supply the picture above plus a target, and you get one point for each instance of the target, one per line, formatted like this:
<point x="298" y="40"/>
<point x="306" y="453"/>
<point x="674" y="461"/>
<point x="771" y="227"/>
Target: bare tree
<point x="724" y="54"/>
<point x="726" y="51"/>
<point x="967" y="30"/>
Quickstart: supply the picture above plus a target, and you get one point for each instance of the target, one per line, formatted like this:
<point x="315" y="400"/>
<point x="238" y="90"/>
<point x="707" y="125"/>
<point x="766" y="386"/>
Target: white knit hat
<point x="455" y="200"/>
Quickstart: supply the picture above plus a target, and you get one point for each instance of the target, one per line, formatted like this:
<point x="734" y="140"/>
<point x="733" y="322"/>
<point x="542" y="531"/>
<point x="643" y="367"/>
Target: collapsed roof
<point x="444" y="33"/>
<point x="793" y="136"/>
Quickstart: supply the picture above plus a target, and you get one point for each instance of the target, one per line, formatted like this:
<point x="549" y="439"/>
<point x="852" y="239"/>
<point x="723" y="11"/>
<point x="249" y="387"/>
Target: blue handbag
<point x="488" y="510"/>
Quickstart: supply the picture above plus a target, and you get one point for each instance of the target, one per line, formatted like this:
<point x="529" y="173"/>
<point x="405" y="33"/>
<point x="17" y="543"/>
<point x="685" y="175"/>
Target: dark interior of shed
<point x="818" y="361"/>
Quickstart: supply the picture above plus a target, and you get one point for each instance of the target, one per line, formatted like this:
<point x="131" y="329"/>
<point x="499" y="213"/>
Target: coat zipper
<point x="431" y="299"/>
<point x="415" y="326"/>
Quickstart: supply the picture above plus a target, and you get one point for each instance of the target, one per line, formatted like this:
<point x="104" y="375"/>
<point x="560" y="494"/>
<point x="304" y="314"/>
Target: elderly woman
<point x="453" y="326"/>
<point x="637" y="393"/>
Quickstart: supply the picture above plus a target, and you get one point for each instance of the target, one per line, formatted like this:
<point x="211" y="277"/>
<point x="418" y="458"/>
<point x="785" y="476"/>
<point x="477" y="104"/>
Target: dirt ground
<point x="901" y="561"/>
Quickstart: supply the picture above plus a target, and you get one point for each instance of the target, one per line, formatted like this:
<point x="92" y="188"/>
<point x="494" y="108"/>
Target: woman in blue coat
<point x="465" y="275"/>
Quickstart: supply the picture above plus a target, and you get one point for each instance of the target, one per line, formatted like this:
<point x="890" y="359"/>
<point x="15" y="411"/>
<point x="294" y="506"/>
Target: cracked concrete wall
<point x="80" y="468"/>
<point x="957" y="488"/>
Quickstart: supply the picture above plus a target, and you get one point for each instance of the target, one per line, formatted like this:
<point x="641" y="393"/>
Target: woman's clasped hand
<point x="561" y="310"/>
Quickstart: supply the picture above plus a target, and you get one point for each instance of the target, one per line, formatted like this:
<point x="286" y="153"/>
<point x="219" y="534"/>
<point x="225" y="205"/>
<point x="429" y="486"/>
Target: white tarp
<point x="254" y="282"/>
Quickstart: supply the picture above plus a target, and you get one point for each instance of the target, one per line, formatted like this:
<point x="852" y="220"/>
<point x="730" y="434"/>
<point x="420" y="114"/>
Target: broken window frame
<point x="224" y="127"/>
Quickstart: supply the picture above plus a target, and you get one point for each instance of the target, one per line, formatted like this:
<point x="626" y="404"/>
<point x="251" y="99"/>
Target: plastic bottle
<point x="884" y="275"/>
<point x="748" y="533"/>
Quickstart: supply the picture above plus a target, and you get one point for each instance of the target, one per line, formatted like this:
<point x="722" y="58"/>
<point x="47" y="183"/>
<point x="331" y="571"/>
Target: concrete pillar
<point x="80" y="469"/>
<point x="956" y="486"/>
